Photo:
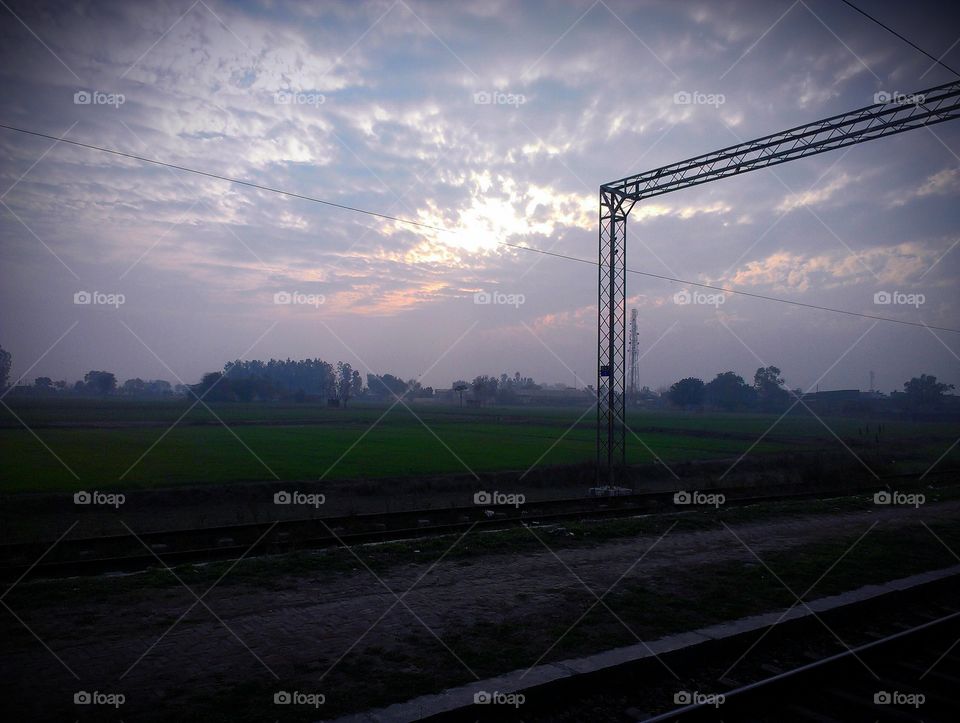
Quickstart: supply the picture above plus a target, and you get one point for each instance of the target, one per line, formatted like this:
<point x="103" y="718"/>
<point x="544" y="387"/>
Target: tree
<point x="43" y="384"/>
<point x="133" y="387"/>
<point x="243" y="390"/>
<point x="159" y="387"/>
<point x="210" y="387"/>
<point x="728" y="391"/>
<point x="386" y="386"/>
<point x="5" y="363"/>
<point x="687" y="392"/>
<point x="98" y="382"/>
<point x="484" y="388"/>
<point x="768" y="385"/>
<point x="460" y="386"/>
<point x="285" y="377"/>
<point x="344" y="382"/>
<point x="925" y="391"/>
<point x="506" y="393"/>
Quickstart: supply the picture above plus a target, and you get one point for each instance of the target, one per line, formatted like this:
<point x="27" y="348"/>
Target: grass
<point x="129" y="444"/>
<point x="104" y="458"/>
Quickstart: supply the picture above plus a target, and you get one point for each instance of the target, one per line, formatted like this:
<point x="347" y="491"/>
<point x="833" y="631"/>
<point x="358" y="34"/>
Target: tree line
<point x="729" y="392"/>
<point x="275" y="379"/>
<point x="318" y="380"/>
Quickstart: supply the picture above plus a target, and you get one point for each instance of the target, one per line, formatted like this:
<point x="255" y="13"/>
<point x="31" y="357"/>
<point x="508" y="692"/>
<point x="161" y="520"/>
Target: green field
<point x="116" y="443"/>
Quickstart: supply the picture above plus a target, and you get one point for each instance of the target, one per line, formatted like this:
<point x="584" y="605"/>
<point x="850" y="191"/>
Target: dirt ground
<point x="158" y="650"/>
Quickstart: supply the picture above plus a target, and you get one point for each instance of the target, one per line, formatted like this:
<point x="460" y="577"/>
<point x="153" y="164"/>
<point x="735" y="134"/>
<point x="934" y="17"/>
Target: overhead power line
<point x="891" y="30"/>
<point x="751" y="294"/>
<point x="208" y="174"/>
<point x="532" y="249"/>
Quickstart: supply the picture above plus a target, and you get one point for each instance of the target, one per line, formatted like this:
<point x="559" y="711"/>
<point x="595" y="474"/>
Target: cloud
<point x="388" y="123"/>
<point x="815" y="196"/>
<point x="787" y="271"/>
<point x="941" y="183"/>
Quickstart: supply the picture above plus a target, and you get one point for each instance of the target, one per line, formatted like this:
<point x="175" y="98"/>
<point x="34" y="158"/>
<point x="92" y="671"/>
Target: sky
<point x="496" y="122"/>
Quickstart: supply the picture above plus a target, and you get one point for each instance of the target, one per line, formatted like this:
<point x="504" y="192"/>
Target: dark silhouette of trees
<point x="687" y="392"/>
<point x="140" y="388"/>
<point x="210" y="387"/>
<point x="283" y="378"/>
<point x="133" y="387"/>
<point x="508" y="388"/>
<point x="460" y="386"/>
<point x="255" y="380"/>
<point x="98" y="382"/>
<point x="345" y="382"/>
<point x="505" y="390"/>
<point x="768" y="385"/>
<point x="925" y="392"/>
<point x="6" y="361"/>
<point x="386" y="387"/>
<point x="484" y="388"/>
<point x="729" y="392"/>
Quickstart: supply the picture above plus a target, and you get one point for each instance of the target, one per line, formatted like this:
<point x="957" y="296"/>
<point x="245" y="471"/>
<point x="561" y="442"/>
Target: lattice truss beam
<point x="617" y="198"/>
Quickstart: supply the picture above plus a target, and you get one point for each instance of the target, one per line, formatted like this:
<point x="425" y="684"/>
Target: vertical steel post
<point x="612" y="337"/>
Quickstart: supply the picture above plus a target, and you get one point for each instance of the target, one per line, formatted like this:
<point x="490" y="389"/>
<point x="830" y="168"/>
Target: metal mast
<point x="634" y="354"/>
<point x="617" y="198"/>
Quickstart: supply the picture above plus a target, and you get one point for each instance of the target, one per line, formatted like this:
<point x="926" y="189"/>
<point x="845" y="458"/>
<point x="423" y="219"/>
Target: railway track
<point x="137" y="552"/>
<point x="840" y="687"/>
<point x="899" y="661"/>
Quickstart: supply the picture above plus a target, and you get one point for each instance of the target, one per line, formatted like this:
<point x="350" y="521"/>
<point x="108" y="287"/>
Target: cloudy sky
<point x="381" y="106"/>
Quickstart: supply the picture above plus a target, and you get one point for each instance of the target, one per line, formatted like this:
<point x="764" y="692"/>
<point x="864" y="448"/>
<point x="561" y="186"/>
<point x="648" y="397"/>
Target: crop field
<point x="55" y="446"/>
